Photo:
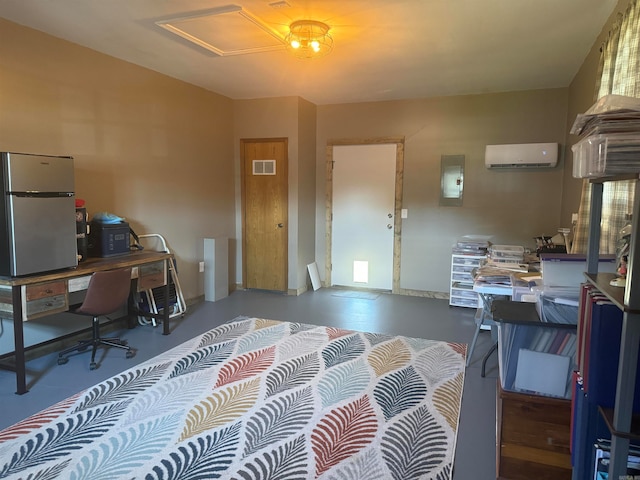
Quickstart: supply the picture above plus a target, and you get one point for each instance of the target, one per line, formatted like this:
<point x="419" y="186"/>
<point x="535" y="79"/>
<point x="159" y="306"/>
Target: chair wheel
<point x="131" y="353"/>
<point x="93" y="366"/>
<point x="62" y="360"/>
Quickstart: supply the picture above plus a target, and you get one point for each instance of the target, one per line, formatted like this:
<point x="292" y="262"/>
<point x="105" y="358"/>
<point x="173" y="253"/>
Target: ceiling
<point x="383" y="50"/>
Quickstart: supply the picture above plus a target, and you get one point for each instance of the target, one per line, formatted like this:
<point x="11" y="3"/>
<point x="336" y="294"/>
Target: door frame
<point x="397" y="221"/>
<point x="243" y="191"/>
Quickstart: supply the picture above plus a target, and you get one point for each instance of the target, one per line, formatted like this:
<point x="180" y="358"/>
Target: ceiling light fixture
<point x="309" y="39"/>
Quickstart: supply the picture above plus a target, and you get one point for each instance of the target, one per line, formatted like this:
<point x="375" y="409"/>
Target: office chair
<point x="107" y="292"/>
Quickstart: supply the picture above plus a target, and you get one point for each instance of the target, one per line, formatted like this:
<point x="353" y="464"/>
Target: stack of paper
<point x="499" y="273"/>
<point x="613" y="113"/>
<point x="472" y="245"/>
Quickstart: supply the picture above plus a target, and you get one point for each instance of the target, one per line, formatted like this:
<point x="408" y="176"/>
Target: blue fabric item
<point x="107" y="218"/>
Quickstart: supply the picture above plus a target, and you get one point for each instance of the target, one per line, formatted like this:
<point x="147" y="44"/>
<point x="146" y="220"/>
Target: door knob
<point x="390" y="215"/>
<point x="280" y="225"/>
<point x="389" y="226"/>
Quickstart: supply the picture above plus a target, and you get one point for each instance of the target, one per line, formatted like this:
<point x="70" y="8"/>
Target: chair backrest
<point x="107" y="292"/>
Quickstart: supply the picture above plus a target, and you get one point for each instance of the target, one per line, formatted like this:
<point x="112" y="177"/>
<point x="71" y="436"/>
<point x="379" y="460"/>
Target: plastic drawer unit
<point x="461" y="292"/>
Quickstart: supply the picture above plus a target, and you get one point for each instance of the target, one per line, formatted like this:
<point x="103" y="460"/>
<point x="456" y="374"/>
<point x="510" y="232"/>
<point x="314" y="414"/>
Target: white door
<point x="363" y="209"/>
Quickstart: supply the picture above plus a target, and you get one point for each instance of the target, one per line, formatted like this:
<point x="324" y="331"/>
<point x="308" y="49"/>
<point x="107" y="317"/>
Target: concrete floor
<point x="393" y="314"/>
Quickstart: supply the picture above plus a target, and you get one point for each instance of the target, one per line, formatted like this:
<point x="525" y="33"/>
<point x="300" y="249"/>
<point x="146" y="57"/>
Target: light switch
<point x="404" y="213"/>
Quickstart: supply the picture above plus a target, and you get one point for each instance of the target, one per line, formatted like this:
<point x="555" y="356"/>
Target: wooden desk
<point x="33" y="296"/>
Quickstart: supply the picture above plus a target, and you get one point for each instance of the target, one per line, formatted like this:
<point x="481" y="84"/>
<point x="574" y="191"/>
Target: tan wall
<point x="293" y="118"/>
<point x="147" y="147"/>
<point x="306" y="190"/>
<point x="165" y="154"/>
<point x="512" y="206"/>
<point x="269" y="118"/>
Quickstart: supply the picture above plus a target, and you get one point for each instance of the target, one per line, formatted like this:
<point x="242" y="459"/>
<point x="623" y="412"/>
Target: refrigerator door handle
<point x="41" y="194"/>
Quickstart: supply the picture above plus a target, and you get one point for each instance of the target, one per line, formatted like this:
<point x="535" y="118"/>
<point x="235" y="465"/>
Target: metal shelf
<point x="601" y="282"/>
<point x="620" y="419"/>
<point x="634" y="432"/>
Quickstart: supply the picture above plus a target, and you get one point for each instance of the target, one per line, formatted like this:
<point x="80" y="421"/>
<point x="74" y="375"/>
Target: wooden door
<point x="265" y="208"/>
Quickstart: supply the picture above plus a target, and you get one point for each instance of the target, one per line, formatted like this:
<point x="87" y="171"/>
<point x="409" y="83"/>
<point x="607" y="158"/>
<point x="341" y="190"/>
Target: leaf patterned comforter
<point x="257" y="399"/>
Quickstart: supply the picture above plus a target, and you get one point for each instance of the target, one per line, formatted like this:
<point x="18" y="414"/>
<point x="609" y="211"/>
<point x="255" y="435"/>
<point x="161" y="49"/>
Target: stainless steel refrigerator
<point x="37" y="224"/>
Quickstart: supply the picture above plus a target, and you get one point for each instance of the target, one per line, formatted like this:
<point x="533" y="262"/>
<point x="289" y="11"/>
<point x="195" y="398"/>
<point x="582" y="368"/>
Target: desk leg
<point x="18" y="340"/>
<point x="165" y="313"/>
<point x="473" y="342"/>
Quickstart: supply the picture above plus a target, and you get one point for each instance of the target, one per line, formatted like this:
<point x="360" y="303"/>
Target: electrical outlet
<point x="201" y="267"/>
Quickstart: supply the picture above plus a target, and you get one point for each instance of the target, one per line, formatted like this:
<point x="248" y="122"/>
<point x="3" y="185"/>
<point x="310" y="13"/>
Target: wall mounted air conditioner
<point x="522" y="155"/>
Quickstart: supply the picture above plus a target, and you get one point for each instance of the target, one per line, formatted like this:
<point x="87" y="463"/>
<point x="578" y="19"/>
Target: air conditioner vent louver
<point x="521" y="165"/>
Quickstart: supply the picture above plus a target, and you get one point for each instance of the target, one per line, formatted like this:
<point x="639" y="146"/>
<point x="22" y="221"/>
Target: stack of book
<point x="599" y="334"/>
<point x="598" y="352"/>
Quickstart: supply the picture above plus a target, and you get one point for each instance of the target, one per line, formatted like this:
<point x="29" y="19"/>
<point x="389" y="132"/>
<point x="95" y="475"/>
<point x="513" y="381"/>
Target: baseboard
<point x="299" y="291"/>
<point x="423" y="293"/>
<point x="195" y="300"/>
<point x="402" y="291"/>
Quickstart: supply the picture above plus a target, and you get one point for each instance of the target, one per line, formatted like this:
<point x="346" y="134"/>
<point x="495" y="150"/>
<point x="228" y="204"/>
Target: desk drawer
<point x="151" y="276"/>
<point x="462" y="277"/>
<point x="464" y="291"/>
<point x="38" y="300"/>
<point x="44" y="290"/>
<point x="6" y="302"/>
<point x="46" y="306"/>
<point x="463" y="268"/>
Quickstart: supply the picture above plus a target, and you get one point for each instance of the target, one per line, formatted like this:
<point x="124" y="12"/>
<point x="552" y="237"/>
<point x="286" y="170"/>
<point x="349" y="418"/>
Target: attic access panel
<point x="225" y="31"/>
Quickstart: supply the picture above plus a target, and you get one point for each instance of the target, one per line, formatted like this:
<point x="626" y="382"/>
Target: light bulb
<point x="295" y="44"/>
<point x="315" y="45"/>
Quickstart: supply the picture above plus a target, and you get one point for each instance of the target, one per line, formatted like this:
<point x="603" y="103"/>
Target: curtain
<point x="618" y="73"/>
